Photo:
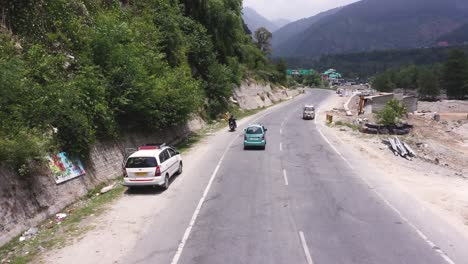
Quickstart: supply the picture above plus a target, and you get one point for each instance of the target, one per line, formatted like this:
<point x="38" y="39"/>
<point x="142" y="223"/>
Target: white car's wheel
<point x="179" y="171"/>
<point x="166" y="182"/>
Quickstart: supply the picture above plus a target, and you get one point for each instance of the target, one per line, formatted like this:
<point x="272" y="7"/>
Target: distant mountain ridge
<point x="255" y="21"/>
<point x="297" y="27"/>
<point x="372" y="25"/>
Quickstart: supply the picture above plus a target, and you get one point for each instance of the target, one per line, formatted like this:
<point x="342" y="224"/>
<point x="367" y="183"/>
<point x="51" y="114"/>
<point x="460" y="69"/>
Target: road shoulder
<point x="428" y="196"/>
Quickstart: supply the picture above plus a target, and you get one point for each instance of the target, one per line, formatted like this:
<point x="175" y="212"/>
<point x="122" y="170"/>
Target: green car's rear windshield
<point x="254" y="130"/>
<point x="143" y="162"/>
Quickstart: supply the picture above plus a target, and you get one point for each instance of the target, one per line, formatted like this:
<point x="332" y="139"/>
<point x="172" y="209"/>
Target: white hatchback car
<point x="152" y="165"/>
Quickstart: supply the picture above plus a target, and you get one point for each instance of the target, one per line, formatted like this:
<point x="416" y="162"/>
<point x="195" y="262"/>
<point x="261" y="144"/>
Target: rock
<point x="31" y="232"/>
<point x="21" y="239"/>
<point x="18" y="47"/>
<point x="107" y="188"/>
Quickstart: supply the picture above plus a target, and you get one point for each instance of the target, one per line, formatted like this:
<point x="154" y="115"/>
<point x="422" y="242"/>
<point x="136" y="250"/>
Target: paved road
<point x="295" y="202"/>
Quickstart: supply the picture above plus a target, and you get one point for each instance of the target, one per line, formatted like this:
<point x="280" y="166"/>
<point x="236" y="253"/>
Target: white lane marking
<point x="434" y="247"/>
<point x="182" y="243"/>
<point x="187" y="232"/>
<point x="281" y="131"/>
<point x="285" y="175"/>
<point x="281" y="146"/>
<point x="306" y="248"/>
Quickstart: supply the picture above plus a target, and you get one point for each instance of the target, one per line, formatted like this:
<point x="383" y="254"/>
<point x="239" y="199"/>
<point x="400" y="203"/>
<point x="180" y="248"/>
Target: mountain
<point x="296" y="28"/>
<point x="456" y="37"/>
<point x="376" y="25"/>
<point x="281" y="22"/>
<point x="254" y="20"/>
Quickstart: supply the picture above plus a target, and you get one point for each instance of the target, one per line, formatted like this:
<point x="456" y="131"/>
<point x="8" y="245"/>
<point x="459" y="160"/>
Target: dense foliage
<point x="364" y="65"/>
<point x="451" y="76"/>
<point x="73" y="71"/>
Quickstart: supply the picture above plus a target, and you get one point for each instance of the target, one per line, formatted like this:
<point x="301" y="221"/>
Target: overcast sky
<point x="293" y="9"/>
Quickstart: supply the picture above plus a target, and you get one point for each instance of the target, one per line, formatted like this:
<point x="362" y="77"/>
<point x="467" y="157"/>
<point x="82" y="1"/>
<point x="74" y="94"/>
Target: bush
<point x="391" y="113"/>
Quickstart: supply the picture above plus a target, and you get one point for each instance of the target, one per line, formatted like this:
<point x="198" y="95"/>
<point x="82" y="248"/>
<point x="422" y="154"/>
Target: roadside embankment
<point x="252" y="95"/>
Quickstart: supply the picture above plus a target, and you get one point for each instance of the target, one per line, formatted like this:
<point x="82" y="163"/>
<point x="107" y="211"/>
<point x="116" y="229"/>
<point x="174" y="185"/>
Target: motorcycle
<point x="232" y="125"/>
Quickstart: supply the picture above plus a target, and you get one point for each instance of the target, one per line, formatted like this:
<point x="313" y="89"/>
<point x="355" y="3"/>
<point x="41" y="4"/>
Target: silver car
<point x="308" y="112"/>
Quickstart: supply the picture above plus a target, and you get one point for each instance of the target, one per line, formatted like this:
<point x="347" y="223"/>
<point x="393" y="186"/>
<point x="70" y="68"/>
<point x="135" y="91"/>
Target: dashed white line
<point x="285" y="175"/>
<point x="281" y="131"/>
<point x="281" y="146"/>
<point x="182" y="243"/>
<point x="437" y="249"/>
<point x="306" y="248"/>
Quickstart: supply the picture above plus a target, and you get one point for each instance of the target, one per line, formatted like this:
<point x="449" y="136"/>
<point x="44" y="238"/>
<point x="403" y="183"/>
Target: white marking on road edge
<point x="434" y="247"/>
<point x="285" y="178"/>
<point x="181" y="246"/>
<point x="306" y="248"/>
<point x="187" y="232"/>
<point x="281" y="146"/>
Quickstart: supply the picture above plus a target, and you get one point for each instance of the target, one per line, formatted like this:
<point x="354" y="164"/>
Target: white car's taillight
<point x="157" y="173"/>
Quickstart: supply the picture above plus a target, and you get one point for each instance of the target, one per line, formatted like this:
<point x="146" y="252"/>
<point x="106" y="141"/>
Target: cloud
<point x="293" y="9"/>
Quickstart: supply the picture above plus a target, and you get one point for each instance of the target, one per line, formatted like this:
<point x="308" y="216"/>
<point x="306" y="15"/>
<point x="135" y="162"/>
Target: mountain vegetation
<point x="451" y="76"/>
<point x="285" y="33"/>
<point x="363" y="65"/>
<point x="374" y="25"/>
<point x="74" y="71"/>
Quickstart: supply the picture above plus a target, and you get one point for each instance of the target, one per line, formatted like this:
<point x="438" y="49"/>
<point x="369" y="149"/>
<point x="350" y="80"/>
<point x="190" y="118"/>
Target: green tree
<point x="428" y="84"/>
<point x="281" y="72"/>
<point x="383" y="82"/>
<point x="407" y="77"/>
<point x="263" y="38"/>
<point x="455" y="75"/>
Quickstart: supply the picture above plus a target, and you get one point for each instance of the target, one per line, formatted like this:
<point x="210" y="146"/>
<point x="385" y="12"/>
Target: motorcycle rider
<point x="232" y="120"/>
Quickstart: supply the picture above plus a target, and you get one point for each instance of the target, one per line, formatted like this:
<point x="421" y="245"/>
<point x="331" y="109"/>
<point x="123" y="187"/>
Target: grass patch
<point x="52" y="235"/>
<point x="346" y="124"/>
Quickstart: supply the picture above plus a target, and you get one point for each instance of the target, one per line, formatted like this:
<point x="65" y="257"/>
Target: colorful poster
<point x="64" y="168"/>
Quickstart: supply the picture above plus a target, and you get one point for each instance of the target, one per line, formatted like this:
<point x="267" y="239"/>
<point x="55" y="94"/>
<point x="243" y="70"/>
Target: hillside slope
<point x="457" y="37"/>
<point x="292" y="29"/>
<point x="377" y="25"/>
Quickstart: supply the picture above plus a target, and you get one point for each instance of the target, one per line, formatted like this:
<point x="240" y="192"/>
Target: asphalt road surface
<point x="295" y="202"/>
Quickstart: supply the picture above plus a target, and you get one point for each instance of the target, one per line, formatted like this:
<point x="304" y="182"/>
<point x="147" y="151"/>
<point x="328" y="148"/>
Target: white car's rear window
<point x="141" y="162"/>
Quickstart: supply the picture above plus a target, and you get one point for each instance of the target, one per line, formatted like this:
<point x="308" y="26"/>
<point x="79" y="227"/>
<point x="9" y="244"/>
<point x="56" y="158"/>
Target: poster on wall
<point x="65" y="168"/>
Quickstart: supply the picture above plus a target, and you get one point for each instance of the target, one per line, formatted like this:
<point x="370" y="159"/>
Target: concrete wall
<point x="378" y="102"/>
<point x="411" y="103"/>
<point x="26" y="201"/>
<point x="252" y="95"/>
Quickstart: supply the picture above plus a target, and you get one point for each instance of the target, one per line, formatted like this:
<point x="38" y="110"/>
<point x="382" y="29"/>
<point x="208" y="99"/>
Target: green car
<point x="255" y="136"/>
